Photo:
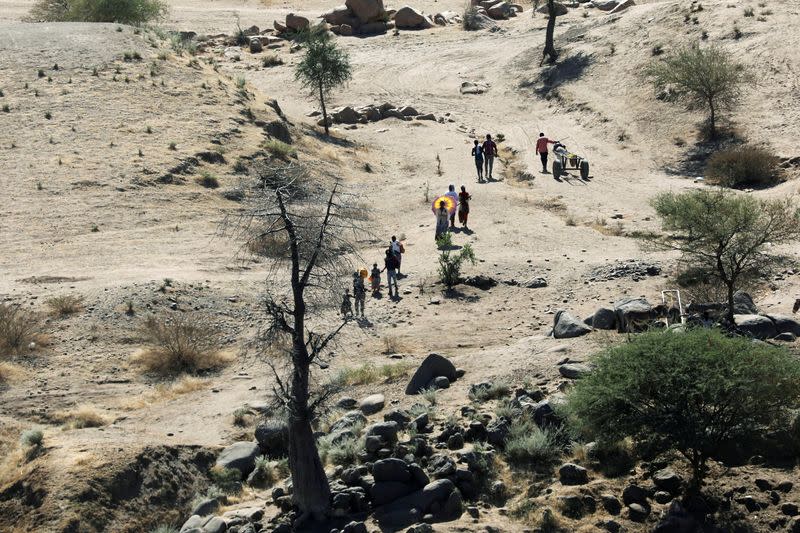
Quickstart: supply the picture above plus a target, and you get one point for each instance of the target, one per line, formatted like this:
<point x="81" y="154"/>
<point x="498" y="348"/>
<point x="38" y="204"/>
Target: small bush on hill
<point x="208" y="180"/>
<point x="228" y="480"/>
<point x="450" y="264"/>
<point x="65" y="305"/>
<point x="180" y="343"/>
<point x="497" y="389"/>
<point x="18" y="328"/>
<point x="746" y="166"/>
<point x="279" y="149"/>
<point x="84" y="416"/>
<point x="32" y="438"/>
<point x="120" y="11"/>
<point x="368" y="373"/>
<point x="528" y="445"/>
<point x="691" y="392"/>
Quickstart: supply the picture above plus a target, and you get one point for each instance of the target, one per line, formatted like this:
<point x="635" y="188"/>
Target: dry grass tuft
<point x="18" y="328"/>
<point x="554" y="204"/>
<point x="9" y="372"/>
<point x="167" y="391"/>
<point x="392" y="344"/>
<point x="369" y="373"/>
<point x="83" y="416"/>
<point x="65" y="305"/>
<point x="182" y="343"/>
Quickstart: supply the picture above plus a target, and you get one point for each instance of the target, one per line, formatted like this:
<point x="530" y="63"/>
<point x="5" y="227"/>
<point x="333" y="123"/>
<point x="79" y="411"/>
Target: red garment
<point x="489" y="148"/>
<point x="541" y="144"/>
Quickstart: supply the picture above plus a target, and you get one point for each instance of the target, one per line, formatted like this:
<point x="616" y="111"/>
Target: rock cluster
<point x="375" y="113"/>
<point x="634" y="269"/>
<point x="497" y="9"/>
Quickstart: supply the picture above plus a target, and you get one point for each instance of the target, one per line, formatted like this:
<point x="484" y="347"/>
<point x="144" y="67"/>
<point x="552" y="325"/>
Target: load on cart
<point x="564" y="160"/>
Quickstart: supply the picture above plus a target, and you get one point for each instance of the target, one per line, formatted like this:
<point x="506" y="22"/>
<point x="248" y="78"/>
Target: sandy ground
<point x="83" y="216"/>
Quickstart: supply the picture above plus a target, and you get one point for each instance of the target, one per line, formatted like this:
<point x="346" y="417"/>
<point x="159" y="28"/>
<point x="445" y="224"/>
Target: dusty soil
<point x="88" y="210"/>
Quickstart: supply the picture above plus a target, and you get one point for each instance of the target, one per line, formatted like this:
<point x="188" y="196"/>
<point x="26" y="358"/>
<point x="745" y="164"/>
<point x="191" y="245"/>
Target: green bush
<point x="121" y="11"/>
<point x="32" y="438"/>
<point x="746" y="166"/>
<point x="691" y="392"/>
<point x="229" y="480"/>
<point x="529" y="445"/>
<point x="496" y="390"/>
<point x="450" y="264"/>
<point x="279" y="149"/>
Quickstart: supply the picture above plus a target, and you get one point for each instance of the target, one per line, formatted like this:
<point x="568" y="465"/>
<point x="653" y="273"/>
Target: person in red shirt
<point x="489" y="153"/>
<point x="541" y="149"/>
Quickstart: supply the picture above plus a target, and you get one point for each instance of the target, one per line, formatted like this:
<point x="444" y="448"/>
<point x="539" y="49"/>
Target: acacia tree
<point x="724" y="235"/>
<point x="324" y="67"/>
<point x="307" y="232"/>
<point x="703" y="78"/>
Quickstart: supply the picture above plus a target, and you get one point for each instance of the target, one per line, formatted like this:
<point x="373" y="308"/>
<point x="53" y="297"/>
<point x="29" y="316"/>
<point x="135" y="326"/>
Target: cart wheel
<point x="584" y="170"/>
<point x="557" y="168"/>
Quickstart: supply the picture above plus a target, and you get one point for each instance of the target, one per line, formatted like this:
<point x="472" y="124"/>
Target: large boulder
<point x="566" y="326"/>
<point x="432" y="367"/>
<point x="273" y="438"/>
<point x="603" y="318"/>
<point x="339" y="15"/>
<point x="447" y="17"/>
<point x="785" y="324"/>
<point x="296" y="22"/>
<point x="760" y="327"/>
<point x="572" y="474"/>
<point x="434" y="499"/>
<point x="408" y="18"/>
<point x="501" y="10"/>
<point x="385" y="431"/>
<point x="239" y="456"/>
<point x="346" y="115"/>
<point x="667" y="480"/>
<point x="622" y="6"/>
<point x="574" y="370"/>
<point x="605" y="5"/>
<point x="743" y="304"/>
<point x="367" y="10"/>
<point x="561" y="9"/>
<point x="633" y="314"/>
<point x="348" y="420"/>
<point x="391" y="469"/>
<point x="372" y="404"/>
<point x="255" y="45"/>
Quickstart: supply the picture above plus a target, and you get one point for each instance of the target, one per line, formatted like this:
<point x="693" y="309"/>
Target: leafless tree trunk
<point x="549" y="48"/>
<point x="312" y="235"/>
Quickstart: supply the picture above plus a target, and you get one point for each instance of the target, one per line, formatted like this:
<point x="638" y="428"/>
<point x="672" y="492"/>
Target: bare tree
<point x="308" y="232"/>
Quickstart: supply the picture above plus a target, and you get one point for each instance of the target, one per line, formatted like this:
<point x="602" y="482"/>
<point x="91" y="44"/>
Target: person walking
<point x="359" y="293"/>
<point x="463" y="206"/>
<point x="442" y="220"/>
<point x="398" y="250"/>
<point x="390" y="266"/>
<point x="375" y="279"/>
<point x="489" y="153"/>
<point x="541" y="149"/>
<point x="477" y="153"/>
<point x="451" y="192"/>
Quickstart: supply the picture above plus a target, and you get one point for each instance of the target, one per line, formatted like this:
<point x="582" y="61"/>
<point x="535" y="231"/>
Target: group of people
<point x="446" y="206"/>
<point x="484" y="154"/>
<point x="391" y="265"/>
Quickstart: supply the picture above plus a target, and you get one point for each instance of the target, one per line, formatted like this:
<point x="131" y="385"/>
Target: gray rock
<point x="441" y="382"/>
<point x="408" y="111"/>
<point x="433" y="366"/>
<point x="391" y="470"/>
<point x="786" y="337"/>
<point x="386" y="431"/>
<point x="743" y="304"/>
<point x="215" y="525"/>
<point x="255" y="45"/>
<point x="566" y="326"/>
<point x="355" y="527"/>
<point x="667" y="480"/>
<point x="347" y="403"/>
<point x="372" y="404"/>
<point x="604" y="5"/>
<point x="574" y="370"/>
<point x="273" y="438"/>
<point x="603" y="318"/>
<point x="662" y="497"/>
<point x="194" y="522"/>
<point x="572" y="474"/>
<point x="634" y="494"/>
<point x="296" y="22"/>
<point x="240" y="456"/>
<point x="757" y="326"/>
<point x="366" y="10"/>
<point x="453" y="507"/>
<point x="785" y="324"/>
<point x="206" y="507"/>
<point x="408" y="18"/>
<point x="611" y="504"/>
<point x="383" y="492"/>
<point x="348" y="420"/>
<point x="455" y="442"/>
<point x="400" y="417"/>
<point x="571" y="505"/>
<point x="345" y="115"/>
<point x="637" y="512"/>
<point x="633" y="314"/>
<point x="279" y="130"/>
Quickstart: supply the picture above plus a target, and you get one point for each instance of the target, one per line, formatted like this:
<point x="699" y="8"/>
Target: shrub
<point x="429" y="395"/>
<point x="691" y="392"/>
<point x="528" y="445"/>
<point x="180" y="343"/>
<point x="450" y="265"/>
<point x="271" y="60"/>
<point x="208" y="180"/>
<point x="8" y="372"/>
<point x="18" y="328"/>
<point x="471" y="19"/>
<point x="279" y="149"/>
<point x="32" y="438"/>
<point x="445" y="241"/>
<point x="164" y="528"/>
<point x="344" y="453"/>
<point x="497" y="389"/>
<point x="65" y="305"/>
<point x="120" y="11"/>
<point x="228" y="480"/>
<point x="264" y="474"/>
<point x="746" y="166"/>
<point x="508" y="411"/>
<point x="240" y="416"/>
<point x="84" y="416"/>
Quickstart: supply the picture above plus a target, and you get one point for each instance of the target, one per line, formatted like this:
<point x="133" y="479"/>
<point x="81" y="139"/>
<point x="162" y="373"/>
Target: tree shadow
<point x="554" y="76"/>
<point x="330" y="139"/>
<point x="456" y="294"/>
<point x="695" y="158"/>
